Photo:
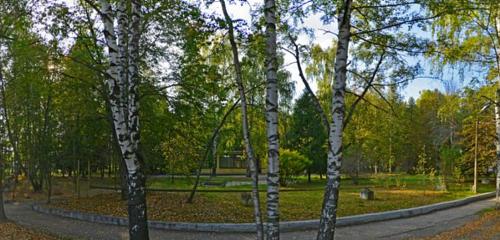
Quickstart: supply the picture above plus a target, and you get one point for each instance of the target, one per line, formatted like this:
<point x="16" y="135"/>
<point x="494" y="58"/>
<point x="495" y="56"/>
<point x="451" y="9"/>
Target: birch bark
<point x="272" y="230"/>
<point x="244" y="121"/>
<point x="3" y="217"/>
<point x="497" y="108"/>
<point x="122" y="80"/>
<point x="330" y="199"/>
<point x="497" y="124"/>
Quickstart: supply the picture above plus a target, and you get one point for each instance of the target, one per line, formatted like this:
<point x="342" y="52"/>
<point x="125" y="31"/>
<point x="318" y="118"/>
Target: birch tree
<point x="372" y="25"/>
<point x="272" y="230"/>
<point x="3" y="217"/>
<point x="122" y="80"/>
<point x="330" y="199"/>
<point x="495" y="9"/>
<point x="244" y="122"/>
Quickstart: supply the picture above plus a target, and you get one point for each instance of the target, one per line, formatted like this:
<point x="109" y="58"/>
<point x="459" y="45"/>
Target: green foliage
<point x="59" y="113"/>
<point x="292" y="164"/>
<point x="306" y="134"/>
<point x="448" y="157"/>
<point x="486" y="154"/>
<point x="423" y="159"/>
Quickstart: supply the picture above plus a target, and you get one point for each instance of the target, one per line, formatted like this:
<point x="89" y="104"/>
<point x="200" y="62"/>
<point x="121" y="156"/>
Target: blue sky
<point x="413" y="89"/>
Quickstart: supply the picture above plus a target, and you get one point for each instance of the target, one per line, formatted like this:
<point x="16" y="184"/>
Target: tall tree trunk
<point x="316" y="103"/>
<point x="330" y="199"/>
<point x="123" y="179"/>
<point x="115" y="146"/>
<point x="207" y="152"/>
<point x="214" y="157"/>
<point x="272" y="231"/>
<point x="78" y="176"/>
<point x="122" y="80"/>
<point x="11" y="135"/>
<point x="497" y="109"/>
<point x="47" y="168"/>
<point x="3" y="217"/>
<point x="49" y="186"/>
<point x="244" y="121"/>
<point x="474" y="186"/>
<point x="73" y="172"/>
<point x="497" y="123"/>
<point x="137" y="210"/>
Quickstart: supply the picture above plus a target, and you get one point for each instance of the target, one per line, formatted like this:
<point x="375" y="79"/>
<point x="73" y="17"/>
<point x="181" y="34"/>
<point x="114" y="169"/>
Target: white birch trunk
<point x="272" y="230"/>
<point x="330" y="199"/>
<point x="497" y="110"/>
<point x="122" y="80"/>
<point x="244" y="118"/>
<point x="3" y="217"/>
<point x="497" y="143"/>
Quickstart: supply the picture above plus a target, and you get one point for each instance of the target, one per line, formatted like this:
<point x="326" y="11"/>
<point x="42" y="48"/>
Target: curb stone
<point x="250" y="227"/>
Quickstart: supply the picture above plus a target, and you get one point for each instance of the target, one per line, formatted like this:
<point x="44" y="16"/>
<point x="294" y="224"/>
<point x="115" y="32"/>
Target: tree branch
<point x="414" y="20"/>
<point x="316" y="102"/>
<point x="368" y="85"/>
<point x="387" y="5"/>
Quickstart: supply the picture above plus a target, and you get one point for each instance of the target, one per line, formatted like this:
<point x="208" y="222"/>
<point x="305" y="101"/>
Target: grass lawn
<point x="391" y="192"/>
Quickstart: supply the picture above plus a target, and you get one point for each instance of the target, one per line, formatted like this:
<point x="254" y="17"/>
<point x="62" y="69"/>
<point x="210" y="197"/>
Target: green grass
<point x="391" y="192"/>
<point x="400" y="181"/>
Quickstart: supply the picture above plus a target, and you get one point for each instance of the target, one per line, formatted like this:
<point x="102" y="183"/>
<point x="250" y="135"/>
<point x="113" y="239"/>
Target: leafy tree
<point x="422" y="163"/>
<point x="292" y="164"/>
<point x="306" y="135"/>
<point x="469" y="34"/>
<point x="471" y="107"/>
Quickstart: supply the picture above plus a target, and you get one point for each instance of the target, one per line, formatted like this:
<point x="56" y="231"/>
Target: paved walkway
<point x="420" y="226"/>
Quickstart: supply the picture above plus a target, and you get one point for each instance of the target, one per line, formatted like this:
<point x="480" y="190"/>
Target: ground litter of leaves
<point x="11" y="231"/>
<point x="487" y="227"/>
<point x="226" y="207"/>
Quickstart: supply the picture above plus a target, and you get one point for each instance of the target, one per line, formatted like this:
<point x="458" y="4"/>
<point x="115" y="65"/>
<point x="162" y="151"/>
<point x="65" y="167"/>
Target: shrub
<point x="292" y="164"/>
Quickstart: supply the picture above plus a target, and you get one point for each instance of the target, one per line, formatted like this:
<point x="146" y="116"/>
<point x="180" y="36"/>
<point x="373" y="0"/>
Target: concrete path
<point x="420" y="226"/>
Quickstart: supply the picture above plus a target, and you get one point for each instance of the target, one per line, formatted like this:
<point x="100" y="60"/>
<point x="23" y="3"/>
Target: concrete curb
<point x="250" y="227"/>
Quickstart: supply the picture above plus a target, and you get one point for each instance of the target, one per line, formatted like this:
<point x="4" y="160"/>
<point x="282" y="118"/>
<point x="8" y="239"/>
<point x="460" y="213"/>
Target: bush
<point x="292" y="164"/>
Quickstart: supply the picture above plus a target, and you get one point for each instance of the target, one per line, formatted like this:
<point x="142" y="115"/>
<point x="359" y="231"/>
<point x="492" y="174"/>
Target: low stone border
<point x="250" y="227"/>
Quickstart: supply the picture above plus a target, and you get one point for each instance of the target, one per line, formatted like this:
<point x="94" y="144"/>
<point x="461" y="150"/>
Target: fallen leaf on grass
<point x="11" y="231"/>
<point x="486" y="227"/>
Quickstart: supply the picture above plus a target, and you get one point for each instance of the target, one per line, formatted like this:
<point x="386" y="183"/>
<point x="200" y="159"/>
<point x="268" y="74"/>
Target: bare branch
<point x="414" y="20"/>
<point x="387" y="5"/>
<point x="316" y="102"/>
<point x="367" y="101"/>
<point x="368" y="85"/>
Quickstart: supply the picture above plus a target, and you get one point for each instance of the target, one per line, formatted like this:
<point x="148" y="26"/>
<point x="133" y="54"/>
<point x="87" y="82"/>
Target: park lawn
<point x="9" y="231"/>
<point x="379" y="180"/>
<point x="303" y="205"/>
